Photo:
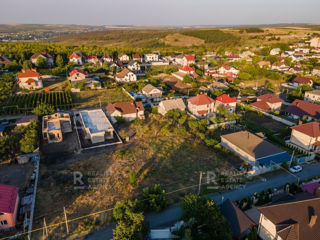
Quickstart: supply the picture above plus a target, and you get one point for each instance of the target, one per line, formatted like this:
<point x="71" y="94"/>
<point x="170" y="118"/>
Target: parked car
<point x="295" y="169"/>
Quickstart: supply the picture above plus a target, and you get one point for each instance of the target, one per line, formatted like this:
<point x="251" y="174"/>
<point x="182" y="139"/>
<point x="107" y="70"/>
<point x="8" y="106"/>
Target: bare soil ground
<point x="172" y="160"/>
<point x="264" y="121"/>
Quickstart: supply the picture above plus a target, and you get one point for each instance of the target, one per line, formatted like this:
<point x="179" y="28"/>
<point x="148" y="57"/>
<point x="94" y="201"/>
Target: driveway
<point x="172" y="214"/>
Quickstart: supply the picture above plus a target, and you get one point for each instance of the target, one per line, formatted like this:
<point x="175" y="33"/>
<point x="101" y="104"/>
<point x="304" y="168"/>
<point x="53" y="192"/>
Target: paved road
<point x="172" y="213"/>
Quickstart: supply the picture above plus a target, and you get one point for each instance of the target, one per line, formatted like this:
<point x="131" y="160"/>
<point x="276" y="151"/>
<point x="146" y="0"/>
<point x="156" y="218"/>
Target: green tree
<point x="154" y="198"/>
<point x="130" y="222"/>
<point x="6" y="85"/>
<point x="29" y="142"/>
<point x="41" y="62"/>
<point x="8" y="147"/>
<point x="43" y="109"/>
<point x="187" y="79"/>
<point x="60" y="61"/>
<point x="204" y="218"/>
<point x="26" y="65"/>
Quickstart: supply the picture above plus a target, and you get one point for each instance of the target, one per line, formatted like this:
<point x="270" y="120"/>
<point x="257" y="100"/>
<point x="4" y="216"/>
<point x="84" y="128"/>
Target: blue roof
<point x="132" y="93"/>
<point x="2" y="128"/>
<point x="278" y="159"/>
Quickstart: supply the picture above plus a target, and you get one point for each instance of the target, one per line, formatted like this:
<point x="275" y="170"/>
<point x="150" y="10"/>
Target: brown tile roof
<point x="311" y="129"/>
<point x="292" y="219"/>
<point x="301" y="108"/>
<point x="270" y="98"/>
<point x="252" y="144"/>
<point x="148" y="88"/>
<point x="173" y="104"/>
<point x="45" y="54"/>
<point x="261" y="105"/>
<point x="123" y="73"/>
<point x="238" y="220"/>
<point x="303" y="80"/>
<point x="4" y="59"/>
<point x="125" y="107"/>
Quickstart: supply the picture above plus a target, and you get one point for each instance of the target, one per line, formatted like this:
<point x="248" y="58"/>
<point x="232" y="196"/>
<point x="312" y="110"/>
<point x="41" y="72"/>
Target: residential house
<point x="107" y="59"/>
<point x="226" y="101"/>
<point x="152" y="92"/>
<point x="171" y="104"/>
<point x="254" y="149"/>
<point x="137" y="57"/>
<point x="187" y="70"/>
<point x="92" y="59"/>
<point x="77" y="75"/>
<point x="233" y="57"/>
<point x="268" y="102"/>
<point x="4" y="60"/>
<point x="299" y="108"/>
<point x="246" y="55"/>
<point x="134" y="66"/>
<point x="279" y="66"/>
<point x="315" y="42"/>
<point x="188" y="59"/>
<point x="77" y="58"/>
<point x="312" y="96"/>
<point x="129" y="111"/>
<point x="295" y="70"/>
<point x="46" y="56"/>
<point x="179" y="59"/>
<point x="95" y="125"/>
<point x="126" y="76"/>
<point x="29" y="79"/>
<point x="302" y="81"/>
<point x="316" y="71"/>
<point x="201" y="105"/>
<point x="306" y="136"/>
<point x="123" y="57"/>
<point x="297" y="57"/>
<point x="224" y="69"/>
<point x="302" y="50"/>
<point x="26" y="120"/>
<point x="151" y="57"/>
<point x="240" y="223"/>
<point x="290" y="220"/>
<point x="264" y="64"/>
<point x="9" y="202"/>
<point x="54" y="126"/>
<point x="275" y="51"/>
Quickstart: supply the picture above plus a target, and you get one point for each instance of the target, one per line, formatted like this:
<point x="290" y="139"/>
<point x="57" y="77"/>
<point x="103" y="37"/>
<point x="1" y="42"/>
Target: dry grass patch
<point x="179" y="40"/>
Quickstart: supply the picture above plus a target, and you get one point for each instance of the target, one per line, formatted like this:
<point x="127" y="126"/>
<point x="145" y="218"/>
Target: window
<point x="1" y="213"/>
<point x="3" y="223"/>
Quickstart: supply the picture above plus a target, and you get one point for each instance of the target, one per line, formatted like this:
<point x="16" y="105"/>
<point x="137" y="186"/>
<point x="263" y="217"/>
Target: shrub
<point x="154" y="198"/>
<point x="133" y="177"/>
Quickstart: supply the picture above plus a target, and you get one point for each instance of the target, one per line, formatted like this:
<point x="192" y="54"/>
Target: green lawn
<point x="92" y="98"/>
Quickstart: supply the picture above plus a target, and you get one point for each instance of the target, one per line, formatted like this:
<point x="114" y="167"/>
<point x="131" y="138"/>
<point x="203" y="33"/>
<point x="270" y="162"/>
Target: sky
<point x="159" y="12"/>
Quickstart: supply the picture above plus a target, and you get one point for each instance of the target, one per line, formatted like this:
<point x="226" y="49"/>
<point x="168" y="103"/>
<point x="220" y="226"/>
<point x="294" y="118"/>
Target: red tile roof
<point x="190" y="58"/>
<point x="270" y="98"/>
<point x="201" y="99"/>
<point x="187" y="69"/>
<point x="303" y="80"/>
<point x="75" y="55"/>
<point x="311" y="129"/>
<point x="301" y="108"/>
<point x="225" y="98"/>
<point x="28" y="73"/>
<point x="77" y="71"/>
<point x="45" y="54"/>
<point x="264" y="63"/>
<point x="30" y="80"/>
<point x="8" y="198"/>
<point x="203" y="112"/>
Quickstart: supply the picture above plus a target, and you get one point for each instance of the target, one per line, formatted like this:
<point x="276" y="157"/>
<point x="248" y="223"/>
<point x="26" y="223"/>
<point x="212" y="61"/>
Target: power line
<point x="89" y="215"/>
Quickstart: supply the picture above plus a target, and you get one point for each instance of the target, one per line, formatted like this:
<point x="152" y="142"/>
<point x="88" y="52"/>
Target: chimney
<point x="23" y="71"/>
<point x="313" y="220"/>
<point x="300" y="122"/>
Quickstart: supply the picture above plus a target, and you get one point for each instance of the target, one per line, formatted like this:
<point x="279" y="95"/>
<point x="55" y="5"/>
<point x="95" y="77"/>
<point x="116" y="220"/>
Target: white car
<point x="295" y="169"/>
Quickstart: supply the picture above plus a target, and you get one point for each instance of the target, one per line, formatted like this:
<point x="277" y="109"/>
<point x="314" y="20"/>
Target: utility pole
<point x="200" y="179"/>
<point x="66" y="219"/>
<point x="45" y="230"/>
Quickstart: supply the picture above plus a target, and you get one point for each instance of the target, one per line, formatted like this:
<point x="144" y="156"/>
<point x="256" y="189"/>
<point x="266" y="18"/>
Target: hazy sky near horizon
<point x="159" y="12"/>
